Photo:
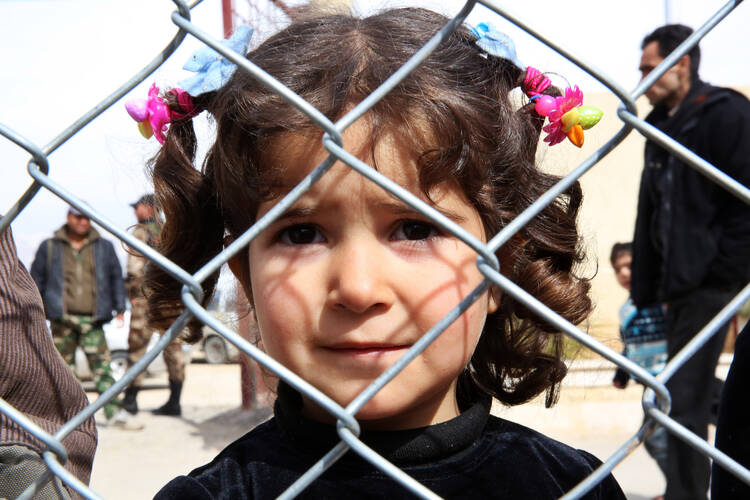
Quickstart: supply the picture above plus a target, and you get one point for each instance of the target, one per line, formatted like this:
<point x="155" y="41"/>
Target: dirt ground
<point x="135" y="464"/>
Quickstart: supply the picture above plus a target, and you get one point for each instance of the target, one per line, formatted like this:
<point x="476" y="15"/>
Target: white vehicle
<point x="215" y="347"/>
<point x="217" y="350"/>
<point x="117" y="341"/>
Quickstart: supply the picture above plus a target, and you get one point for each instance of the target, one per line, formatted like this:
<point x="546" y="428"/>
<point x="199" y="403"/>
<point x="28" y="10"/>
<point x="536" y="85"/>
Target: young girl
<point x="349" y="278"/>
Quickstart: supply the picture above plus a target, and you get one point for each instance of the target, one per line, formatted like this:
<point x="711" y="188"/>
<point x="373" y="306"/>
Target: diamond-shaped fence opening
<point x="656" y="400"/>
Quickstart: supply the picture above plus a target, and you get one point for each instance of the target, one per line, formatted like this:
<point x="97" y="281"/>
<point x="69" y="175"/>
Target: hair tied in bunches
<point x="212" y="70"/>
<point x="496" y="43"/>
<point x="186" y="107"/>
<point x="535" y="83"/>
<point x="153" y="113"/>
<point x="567" y="115"/>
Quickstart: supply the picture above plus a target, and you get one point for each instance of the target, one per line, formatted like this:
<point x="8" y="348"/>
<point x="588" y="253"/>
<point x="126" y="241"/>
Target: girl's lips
<point x="367" y="350"/>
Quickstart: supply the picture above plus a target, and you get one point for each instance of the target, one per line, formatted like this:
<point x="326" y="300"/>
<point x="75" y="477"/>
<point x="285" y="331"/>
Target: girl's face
<point x="350" y="278"/>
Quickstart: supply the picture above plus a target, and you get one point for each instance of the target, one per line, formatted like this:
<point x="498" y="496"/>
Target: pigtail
<point x="192" y="228"/>
<point x="519" y="354"/>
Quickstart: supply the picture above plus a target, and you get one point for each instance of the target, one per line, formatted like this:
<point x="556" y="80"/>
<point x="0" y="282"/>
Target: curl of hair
<point x="454" y="110"/>
<point x="192" y="230"/>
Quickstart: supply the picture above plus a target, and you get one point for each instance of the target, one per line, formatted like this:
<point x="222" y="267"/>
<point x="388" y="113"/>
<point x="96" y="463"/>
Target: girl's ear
<point x="240" y="267"/>
<point x="494" y="296"/>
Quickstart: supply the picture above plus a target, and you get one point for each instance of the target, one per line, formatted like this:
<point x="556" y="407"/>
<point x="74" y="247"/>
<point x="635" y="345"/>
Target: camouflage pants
<point x="138" y="340"/>
<point x="72" y="331"/>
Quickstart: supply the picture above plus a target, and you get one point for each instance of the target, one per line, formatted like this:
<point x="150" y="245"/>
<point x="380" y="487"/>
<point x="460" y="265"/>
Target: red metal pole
<point x="255" y="392"/>
<point x="226" y="17"/>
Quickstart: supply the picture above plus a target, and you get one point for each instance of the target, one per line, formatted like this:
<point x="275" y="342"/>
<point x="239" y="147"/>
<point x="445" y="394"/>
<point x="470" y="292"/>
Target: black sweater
<point x="690" y="233"/>
<point x="733" y="426"/>
<point x="474" y="455"/>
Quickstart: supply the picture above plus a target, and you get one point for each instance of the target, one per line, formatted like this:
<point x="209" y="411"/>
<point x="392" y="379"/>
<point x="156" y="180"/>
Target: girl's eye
<point x="414" y="230"/>
<point x="301" y="234"/>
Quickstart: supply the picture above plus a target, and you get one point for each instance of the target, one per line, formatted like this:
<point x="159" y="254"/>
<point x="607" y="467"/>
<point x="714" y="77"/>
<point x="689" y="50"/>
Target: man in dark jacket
<point x="80" y="280"/>
<point x="733" y="426"/>
<point x="692" y="237"/>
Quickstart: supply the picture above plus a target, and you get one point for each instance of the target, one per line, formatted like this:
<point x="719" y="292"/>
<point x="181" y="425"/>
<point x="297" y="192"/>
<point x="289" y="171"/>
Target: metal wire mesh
<point x="656" y="399"/>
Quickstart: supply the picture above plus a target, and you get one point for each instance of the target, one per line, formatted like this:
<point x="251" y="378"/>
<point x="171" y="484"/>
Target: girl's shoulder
<point x="505" y="433"/>
<point x="239" y="468"/>
<point x="254" y="445"/>
<point x="547" y="464"/>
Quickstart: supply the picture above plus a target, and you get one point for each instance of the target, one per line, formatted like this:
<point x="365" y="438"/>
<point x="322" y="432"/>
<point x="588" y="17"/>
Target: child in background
<point x="633" y="319"/>
<point x="349" y="278"/>
<point x="621" y="258"/>
<point x="642" y="330"/>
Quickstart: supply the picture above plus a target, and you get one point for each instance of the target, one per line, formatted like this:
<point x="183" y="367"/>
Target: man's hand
<point x="621" y="379"/>
<point x="120" y="320"/>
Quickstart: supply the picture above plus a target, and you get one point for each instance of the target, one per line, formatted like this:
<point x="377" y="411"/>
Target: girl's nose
<point x="359" y="278"/>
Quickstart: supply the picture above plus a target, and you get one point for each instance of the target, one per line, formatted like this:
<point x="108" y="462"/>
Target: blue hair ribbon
<point x="496" y="43"/>
<point x="212" y="69"/>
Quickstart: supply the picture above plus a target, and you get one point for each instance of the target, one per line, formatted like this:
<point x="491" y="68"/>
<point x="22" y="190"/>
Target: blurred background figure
<point x="36" y="381"/>
<point x="692" y="237"/>
<point x="80" y="280"/>
<point x="147" y="230"/>
<point x="733" y="427"/>
<point x="642" y="333"/>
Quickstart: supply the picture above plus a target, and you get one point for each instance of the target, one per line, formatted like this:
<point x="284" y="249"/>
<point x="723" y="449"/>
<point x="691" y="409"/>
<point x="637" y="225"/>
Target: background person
<point x="692" y="237"/>
<point x="36" y="381"/>
<point x="621" y="258"/>
<point x="733" y="426"/>
<point x="147" y="230"/>
<point x="80" y="280"/>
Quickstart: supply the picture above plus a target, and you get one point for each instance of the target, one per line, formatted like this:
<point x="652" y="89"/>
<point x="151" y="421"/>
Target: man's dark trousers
<point x="692" y="388"/>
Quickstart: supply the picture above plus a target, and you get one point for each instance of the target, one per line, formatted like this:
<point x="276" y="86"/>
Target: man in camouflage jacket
<point x="147" y="231"/>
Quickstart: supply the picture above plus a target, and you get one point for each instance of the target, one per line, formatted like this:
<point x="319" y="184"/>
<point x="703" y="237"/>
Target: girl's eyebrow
<point x="298" y="213"/>
<point x="398" y="208"/>
<point x="394" y="207"/>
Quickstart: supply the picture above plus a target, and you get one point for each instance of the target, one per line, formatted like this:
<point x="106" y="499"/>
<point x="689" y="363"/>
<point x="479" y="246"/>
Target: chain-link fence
<point x="656" y="399"/>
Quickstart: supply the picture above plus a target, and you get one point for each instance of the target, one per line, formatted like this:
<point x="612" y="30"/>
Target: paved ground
<point x="590" y="415"/>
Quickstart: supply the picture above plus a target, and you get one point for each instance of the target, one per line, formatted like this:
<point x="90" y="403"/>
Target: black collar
<point x="698" y="94"/>
<point x="403" y="447"/>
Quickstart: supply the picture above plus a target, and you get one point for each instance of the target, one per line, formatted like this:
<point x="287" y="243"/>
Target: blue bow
<point x="213" y="70"/>
<point x="496" y="43"/>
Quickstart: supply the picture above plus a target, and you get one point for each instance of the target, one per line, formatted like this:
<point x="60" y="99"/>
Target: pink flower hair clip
<point x="568" y="117"/>
<point x="212" y="71"/>
<point x="153" y="114"/>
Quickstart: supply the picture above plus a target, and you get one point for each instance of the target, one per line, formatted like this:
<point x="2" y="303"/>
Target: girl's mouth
<point x="367" y="350"/>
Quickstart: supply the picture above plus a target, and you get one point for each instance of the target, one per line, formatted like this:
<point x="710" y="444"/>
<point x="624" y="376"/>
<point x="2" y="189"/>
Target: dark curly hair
<point x="455" y="110"/>
<point x="668" y="38"/>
